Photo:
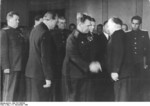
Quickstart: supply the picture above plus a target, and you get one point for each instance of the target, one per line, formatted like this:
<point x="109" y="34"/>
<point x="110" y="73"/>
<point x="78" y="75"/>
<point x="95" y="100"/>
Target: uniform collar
<point x="9" y="27"/>
<point x="135" y="31"/>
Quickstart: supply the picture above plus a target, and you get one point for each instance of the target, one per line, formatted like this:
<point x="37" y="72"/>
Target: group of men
<point x="78" y="65"/>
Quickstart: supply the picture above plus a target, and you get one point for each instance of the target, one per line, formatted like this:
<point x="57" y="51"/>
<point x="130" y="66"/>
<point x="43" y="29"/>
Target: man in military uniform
<point x="59" y="37"/>
<point x="72" y="27"/>
<point x="137" y="60"/>
<point x="78" y="63"/>
<point x="11" y="57"/>
<point x="99" y="29"/>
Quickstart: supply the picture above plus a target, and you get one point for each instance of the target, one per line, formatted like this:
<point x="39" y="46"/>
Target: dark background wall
<point x="101" y="10"/>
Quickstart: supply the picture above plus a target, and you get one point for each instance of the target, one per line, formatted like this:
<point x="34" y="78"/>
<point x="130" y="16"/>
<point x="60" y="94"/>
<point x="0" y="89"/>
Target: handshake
<point x="95" y="67"/>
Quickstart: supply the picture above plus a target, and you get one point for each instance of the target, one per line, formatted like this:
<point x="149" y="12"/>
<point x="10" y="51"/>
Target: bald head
<point x="12" y="19"/>
<point x="114" y="24"/>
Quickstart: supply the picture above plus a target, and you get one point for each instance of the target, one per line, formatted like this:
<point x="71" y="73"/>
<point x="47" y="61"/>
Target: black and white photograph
<point x="76" y="51"/>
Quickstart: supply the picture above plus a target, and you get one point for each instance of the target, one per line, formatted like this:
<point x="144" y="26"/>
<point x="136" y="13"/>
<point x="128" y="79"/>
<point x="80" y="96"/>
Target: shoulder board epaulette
<point x="5" y="28"/>
<point x="128" y="31"/>
<point x="144" y="30"/>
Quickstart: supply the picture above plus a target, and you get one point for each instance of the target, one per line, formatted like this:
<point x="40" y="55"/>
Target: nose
<point x="17" y="21"/>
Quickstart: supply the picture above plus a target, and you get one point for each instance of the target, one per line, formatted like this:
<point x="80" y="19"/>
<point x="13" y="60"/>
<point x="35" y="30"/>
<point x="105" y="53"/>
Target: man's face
<point x="61" y="23"/>
<point x="52" y="22"/>
<point x="105" y="28"/>
<point x="72" y="28"/>
<point x="13" y="21"/>
<point x="135" y="24"/>
<point x="99" y="29"/>
<point x="92" y="26"/>
<point x="124" y="27"/>
<point x="110" y="26"/>
<point x="85" y="26"/>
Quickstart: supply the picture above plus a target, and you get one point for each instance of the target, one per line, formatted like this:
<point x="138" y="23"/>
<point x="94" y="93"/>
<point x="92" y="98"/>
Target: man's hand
<point x="6" y="71"/>
<point x="114" y="76"/>
<point x="145" y="66"/>
<point x="95" y="67"/>
<point x="48" y="84"/>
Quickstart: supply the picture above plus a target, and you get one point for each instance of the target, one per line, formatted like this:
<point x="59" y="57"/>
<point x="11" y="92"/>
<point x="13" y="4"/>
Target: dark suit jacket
<point x="11" y="49"/>
<point x="38" y="65"/>
<point x="103" y="42"/>
<point x="137" y="47"/>
<point x="115" y="51"/>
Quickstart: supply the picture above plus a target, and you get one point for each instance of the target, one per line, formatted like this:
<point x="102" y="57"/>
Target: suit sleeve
<point x="147" y="52"/>
<point x="117" y="52"/>
<point x="5" y="50"/>
<point x="47" y="69"/>
<point x="72" y="51"/>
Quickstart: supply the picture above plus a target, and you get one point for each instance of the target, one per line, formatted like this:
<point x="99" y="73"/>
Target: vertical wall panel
<point x="76" y="6"/>
<point x="92" y="7"/>
<point x="146" y="15"/>
<point x="104" y="10"/>
<point x="124" y="9"/>
<point x="101" y="10"/>
<point x="139" y="7"/>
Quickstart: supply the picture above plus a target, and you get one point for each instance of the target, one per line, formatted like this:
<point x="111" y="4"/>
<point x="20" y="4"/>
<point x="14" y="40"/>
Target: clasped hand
<point x="48" y="84"/>
<point x="95" y="67"/>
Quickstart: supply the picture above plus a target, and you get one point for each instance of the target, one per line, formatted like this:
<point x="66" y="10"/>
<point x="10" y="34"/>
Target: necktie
<point x="108" y="38"/>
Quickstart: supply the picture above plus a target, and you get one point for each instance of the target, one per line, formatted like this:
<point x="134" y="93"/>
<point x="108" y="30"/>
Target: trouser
<point x="57" y="80"/>
<point x="145" y="85"/>
<point x="10" y="86"/>
<point x="122" y="89"/>
<point x="76" y="89"/>
<point x="129" y="89"/>
<point x="1" y="83"/>
<point x="102" y="90"/>
<point x="57" y="90"/>
<point x="140" y="83"/>
<point x="36" y="91"/>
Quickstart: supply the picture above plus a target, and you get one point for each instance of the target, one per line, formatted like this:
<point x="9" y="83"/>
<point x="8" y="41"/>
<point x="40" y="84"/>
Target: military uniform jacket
<point x="137" y="51"/>
<point x="81" y="50"/>
<point x="12" y="44"/>
<point x="38" y="65"/>
<point x="59" y="38"/>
